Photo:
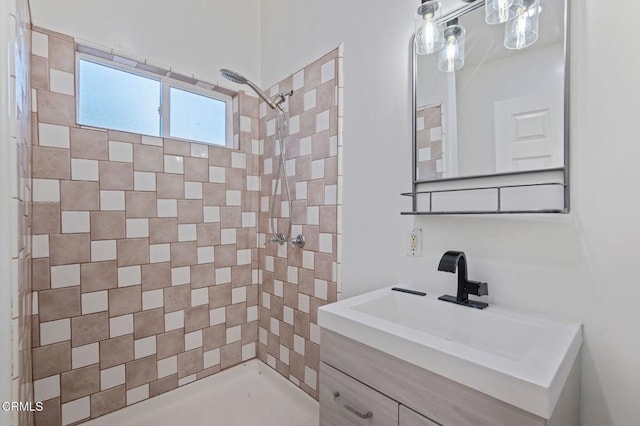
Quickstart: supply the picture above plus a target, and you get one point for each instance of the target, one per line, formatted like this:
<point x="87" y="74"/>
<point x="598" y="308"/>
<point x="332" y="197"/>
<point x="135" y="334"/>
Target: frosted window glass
<point x="115" y="99"/>
<point x="196" y="117"/>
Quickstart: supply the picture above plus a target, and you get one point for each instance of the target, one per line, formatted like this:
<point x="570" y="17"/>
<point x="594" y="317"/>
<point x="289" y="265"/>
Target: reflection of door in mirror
<point x="527" y="128"/>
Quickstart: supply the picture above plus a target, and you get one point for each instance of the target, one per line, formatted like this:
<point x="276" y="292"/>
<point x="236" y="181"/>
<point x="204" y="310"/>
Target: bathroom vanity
<point x="400" y="359"/>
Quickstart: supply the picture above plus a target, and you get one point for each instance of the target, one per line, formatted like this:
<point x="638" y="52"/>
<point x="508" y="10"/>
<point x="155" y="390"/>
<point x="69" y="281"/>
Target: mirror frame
<point x="472" y="180"/>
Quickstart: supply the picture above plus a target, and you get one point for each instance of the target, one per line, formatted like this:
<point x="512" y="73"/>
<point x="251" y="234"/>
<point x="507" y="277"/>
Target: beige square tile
<point x="196" y="318"/>
<point x="171" y="343"/>
<point x="236" y="314"/>
<point x="331" y="171"/>
<point x="301" y="324"/>
<point x="196" y="169"/>
<point x="148" y="158"/>
<point x="148" y="323"/>
<point x="230" y="217"/>
<point x="107" y="225"/>
<point x="50" y="414"/>
<point x="219" y="296"/>
<point x="107" y="401"/>
<point x="163" y="230"/>
<point x="183" y="254"/>
<point x="320" y="145"/>
<point x="202" y="275"/>
<point x="315" y="192"/>
<point x="116" y="351"/>
<point x="325" y="96"/>
<point x="208" y="234"/>
<point x="170" y="185"/>
<point x="303" y="169"/>
<point x="214" y="194"/>
<point x="250" y="332"/>
<point x="51" y="163"/>
<point x="55" y="108"/>
<point x="175" y="147"/>
<point x="133" y="251"/>
<point x="163" y="385"/>
<point x="236" y="179"/>
<point x="230" y="355"/>
<point x="89" y="328"/>
<point x="45" y="218"/>
<point x="140" y="204"/>
<point x="80" y="382"/>
<point x="214" y="337"/>
<point x="79" y="196"/>
<point x="141" y="371"/>
<point x="69" y="248"/>
<point x="190" y="362"/>
<point x="220" y="157"/>
<point x="62" y="54"/>
<point x="59" y="303"/>
<point x="89" y="144"/>
<point x="118" y="176"/>
<point x="177" y="298"/>
<point x="190" y="211"/>
<point x="51" y="359"/>
<point x="98" y="276"/>
<point x="225" y="256"/>
<point x="155" y="276"/>
<point x="328" y="219"/>
<point x="41" y="274"/>
<point x="246" y="238"/>
<point x="39" y="72"/>
<point x="241" y="275"/>
<point x="125" y="300"/>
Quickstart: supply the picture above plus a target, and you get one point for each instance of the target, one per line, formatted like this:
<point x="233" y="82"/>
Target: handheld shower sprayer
<point x="240" y="79"/>
<point x="281" y="125"/>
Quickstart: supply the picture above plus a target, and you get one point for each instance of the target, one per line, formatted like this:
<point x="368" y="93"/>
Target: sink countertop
<point x="521" y="359"/>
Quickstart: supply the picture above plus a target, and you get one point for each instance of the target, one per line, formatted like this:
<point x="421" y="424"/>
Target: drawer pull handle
<point x="366" y="415"/>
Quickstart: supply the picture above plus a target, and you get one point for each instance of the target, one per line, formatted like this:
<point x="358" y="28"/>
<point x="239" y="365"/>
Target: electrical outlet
<point x="414" y="244"/>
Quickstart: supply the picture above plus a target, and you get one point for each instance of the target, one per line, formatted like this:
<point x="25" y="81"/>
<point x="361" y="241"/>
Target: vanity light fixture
<point x="501" y="11"/>
<point x="451" y="56"/>
<point x="521" y="18"/>
<point x="522" y="31"/>
<point x="429" y="36"/>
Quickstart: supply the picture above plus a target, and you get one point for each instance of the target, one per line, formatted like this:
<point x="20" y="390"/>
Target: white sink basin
<point x="520" y="359"/>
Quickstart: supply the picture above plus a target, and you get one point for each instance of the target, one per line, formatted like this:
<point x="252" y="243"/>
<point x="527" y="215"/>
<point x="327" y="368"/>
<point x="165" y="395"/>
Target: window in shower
<point x="114" y="96"/>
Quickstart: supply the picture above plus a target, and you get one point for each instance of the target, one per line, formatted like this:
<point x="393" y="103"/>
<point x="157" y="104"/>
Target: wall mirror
<point x="491" y="101"/>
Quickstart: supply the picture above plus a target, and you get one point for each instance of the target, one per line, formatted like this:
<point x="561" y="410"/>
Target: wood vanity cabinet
<point x="360" y="385"/>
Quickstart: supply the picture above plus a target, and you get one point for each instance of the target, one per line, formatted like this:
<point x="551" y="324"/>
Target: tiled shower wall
<point x="145" y="257"/>
<point x="19" y="204"/>
<point x="296" y="282"/>
<point x="429" y="142"/>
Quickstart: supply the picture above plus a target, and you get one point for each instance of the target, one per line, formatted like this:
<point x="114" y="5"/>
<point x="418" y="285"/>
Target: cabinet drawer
<point x="408" y="417"/>
<point x="347" y="402"/>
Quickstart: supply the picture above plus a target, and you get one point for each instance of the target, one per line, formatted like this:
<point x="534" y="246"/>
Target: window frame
<point x="166" y="83"/>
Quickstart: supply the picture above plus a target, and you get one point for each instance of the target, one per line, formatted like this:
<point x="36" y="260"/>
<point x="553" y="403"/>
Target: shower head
<point x="233" y="76"/>
<point x="240" y="79"/>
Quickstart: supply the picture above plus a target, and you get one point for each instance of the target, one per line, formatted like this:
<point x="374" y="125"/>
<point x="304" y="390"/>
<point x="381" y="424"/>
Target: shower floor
<point x="245" y="395"/>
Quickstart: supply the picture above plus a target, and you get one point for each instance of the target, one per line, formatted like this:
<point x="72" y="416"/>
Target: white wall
<point x="577" y="266"/>
<point x="191" y="36"/>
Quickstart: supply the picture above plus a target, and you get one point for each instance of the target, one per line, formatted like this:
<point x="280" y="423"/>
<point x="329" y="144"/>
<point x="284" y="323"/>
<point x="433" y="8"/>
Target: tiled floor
<point x="249" y="394"/>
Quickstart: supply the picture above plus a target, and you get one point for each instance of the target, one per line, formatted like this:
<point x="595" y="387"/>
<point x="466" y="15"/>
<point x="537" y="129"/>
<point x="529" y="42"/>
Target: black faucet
<point x="451" y="261"/>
